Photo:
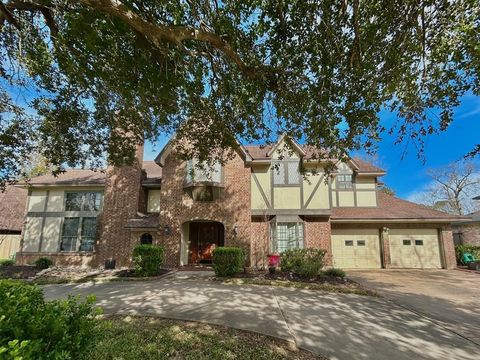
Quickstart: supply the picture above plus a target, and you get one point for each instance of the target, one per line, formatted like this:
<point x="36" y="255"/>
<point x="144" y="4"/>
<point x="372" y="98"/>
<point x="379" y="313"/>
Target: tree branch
<point x="173" y="34"/>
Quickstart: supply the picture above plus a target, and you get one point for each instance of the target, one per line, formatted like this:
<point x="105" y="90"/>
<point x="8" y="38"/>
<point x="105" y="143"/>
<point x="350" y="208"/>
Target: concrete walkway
<point x="335" y="325"/>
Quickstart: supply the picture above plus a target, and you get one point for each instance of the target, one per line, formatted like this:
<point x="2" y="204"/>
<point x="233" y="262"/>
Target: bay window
<point x="197" y="172"/>
<point x="286" y="235"/>
<point x="286" y="172"/>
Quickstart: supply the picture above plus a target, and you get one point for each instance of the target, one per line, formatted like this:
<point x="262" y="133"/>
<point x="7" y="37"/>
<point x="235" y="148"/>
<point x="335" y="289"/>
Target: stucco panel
<point x="33" y="231"/>
<point x="366" y="198"/>
<point x="36" y="200"/>
<point x="287" y="197"/>
<point x="55" y="200"/>
<point x="346" y="198"/>
<point x="153" y="202"/>
<point x="51" y="234"/>
<point x="365" y="183"/>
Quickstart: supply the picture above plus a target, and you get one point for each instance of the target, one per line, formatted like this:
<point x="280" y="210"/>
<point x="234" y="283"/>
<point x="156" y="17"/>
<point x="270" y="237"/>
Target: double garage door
<point x="409" y="248"/>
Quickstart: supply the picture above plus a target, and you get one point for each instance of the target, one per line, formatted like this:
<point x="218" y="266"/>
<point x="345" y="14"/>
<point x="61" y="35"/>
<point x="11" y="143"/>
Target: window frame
<point x="286" y="177"/>
<point x="340" y="183"/>
<point x="273" y="235"/>
<point x="83" y="203"/>
<point x="190" y="168"/>
<point x="80" y="234"/>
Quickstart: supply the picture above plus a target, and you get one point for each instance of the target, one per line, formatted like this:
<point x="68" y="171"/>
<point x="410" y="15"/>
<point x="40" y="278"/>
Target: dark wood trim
<point x="269" y="212"/>
<point x="330" y="197"/>
<point x="45" y="206"/>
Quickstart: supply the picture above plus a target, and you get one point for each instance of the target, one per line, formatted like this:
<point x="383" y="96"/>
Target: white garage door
<point x="356" y="248"/>
<point x="414" y="248"/>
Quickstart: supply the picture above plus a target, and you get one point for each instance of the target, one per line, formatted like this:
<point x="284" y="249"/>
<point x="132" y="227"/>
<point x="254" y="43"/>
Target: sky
<point x="406" y="174"/>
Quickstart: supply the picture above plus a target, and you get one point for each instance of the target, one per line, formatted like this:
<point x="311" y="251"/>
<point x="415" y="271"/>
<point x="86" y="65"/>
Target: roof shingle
<point x="12" y="208"/>
<point x="391" y="208"/>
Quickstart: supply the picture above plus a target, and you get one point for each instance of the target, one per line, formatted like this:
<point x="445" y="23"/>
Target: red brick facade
<point x="121" y="202"/>
<point x="232" y="208"/>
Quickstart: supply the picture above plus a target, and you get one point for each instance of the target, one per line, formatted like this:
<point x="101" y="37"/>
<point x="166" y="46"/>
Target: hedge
<point x="31" y="328"/>
<point x="148" y="259"/>
<point x="228" y="261"/>
<point x="306" y="263"/>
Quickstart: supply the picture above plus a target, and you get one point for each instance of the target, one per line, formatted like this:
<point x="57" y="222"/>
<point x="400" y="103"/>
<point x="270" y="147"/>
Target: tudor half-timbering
<point x="265" y="199"/>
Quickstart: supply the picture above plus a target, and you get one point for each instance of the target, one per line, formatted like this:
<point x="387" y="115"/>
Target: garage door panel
<point x="414" y="248"/>
<point x="356" y="248"/>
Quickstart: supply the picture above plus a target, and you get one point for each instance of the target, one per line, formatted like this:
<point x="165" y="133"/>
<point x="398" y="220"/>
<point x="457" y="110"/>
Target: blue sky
<point x="408" y="176"/>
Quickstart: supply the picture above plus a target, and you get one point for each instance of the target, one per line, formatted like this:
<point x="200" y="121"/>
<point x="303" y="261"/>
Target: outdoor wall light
<point x="235" y="229"/>
<point x="167" y="230"/>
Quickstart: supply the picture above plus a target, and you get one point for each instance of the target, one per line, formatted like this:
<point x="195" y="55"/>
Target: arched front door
<point x="204" y="237"/>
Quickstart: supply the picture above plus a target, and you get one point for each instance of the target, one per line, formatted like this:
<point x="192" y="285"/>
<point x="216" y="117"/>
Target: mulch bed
<point x="287" y="276"/>
<point x="18" y="271"/>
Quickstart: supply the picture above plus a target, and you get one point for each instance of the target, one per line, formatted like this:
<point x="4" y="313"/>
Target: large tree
<point x="452" y="188"/>
<point x="77" y="76"/>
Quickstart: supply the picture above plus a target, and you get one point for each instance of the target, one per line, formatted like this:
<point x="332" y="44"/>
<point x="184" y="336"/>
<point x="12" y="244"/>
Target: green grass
<point x="155" y="338"/>
<point x="350" y="289"/>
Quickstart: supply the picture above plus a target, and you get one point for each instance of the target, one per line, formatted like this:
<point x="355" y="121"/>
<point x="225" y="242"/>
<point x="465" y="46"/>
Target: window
<point x="286" y="173"/>
<point x="83" y="201"/>
<point x="286" y="235"/>
<point x="407" y="242"/>
<point x="348" y="242"/>
<point x="69" y="234"/>
<point x="146" y="239"/>
<point x="197" y="173"/>
<point x="419" y="242"/>
<point x="345" y="181"/>
<point x="81" y="231"/>
<point x="360" y="242"/>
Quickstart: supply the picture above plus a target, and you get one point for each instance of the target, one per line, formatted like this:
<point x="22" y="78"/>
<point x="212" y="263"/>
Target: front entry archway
<point x="204" y="237"/>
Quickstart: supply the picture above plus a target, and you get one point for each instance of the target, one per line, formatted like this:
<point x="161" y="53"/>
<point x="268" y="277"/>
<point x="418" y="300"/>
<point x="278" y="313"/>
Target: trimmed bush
<point x="335" y="272"/>
<point x="43" y="263"/>
<point x="306" y="263"/>
<point x="32" y="328"/>
<point x="228" y="261"/>
<point x="147" y="259"/>
<point x="6" y="262"/>
<point x="466" y="248"/>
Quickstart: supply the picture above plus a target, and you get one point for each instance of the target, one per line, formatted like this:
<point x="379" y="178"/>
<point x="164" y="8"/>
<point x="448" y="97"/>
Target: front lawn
<point x="155" y="338"/>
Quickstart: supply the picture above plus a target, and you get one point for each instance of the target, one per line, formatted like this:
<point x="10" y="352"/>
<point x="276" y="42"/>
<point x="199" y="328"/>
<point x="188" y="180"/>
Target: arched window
<point x="146" y="239"/>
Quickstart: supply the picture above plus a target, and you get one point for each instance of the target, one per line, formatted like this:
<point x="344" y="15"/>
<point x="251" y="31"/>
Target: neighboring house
<point x="257" y="200"/>
<point x="12" y="214"/>
<point x="468" y="232"/>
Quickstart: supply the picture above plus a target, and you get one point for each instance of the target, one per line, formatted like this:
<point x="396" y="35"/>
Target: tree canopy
<point x="76" y="75"/>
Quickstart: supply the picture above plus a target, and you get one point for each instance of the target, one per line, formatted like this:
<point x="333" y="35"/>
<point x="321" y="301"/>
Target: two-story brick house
<point x="259" y="200"/>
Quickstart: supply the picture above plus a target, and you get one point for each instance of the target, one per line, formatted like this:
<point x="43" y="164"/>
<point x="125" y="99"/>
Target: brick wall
<point x="318" y="235"/>
<point x="232" y="208"/>
<point x="448" y="249"/>
<point x="470" y="233"/>
<point x="120" y="203"/>
<point x="260" y="246"/>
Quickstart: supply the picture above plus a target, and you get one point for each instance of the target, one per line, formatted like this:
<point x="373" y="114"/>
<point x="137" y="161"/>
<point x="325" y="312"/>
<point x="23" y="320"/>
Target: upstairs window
<point x="345" y="181"/>
<point x="286" y="173"/>
<point x="202" y="173"/>
<point x="83" y="201"/>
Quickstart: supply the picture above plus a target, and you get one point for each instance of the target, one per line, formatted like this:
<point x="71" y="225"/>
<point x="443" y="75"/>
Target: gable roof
<point x="391" y="208"/>
<point x="12" y="208"/>
<point x="261" y="152"/>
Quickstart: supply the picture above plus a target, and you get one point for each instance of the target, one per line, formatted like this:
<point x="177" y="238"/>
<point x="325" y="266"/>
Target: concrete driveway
<point x="449" y="297"/>
<point x="339" y="326"/>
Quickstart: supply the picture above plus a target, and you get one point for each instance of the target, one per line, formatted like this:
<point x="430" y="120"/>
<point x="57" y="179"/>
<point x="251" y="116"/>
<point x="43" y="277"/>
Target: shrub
<point x="335" y="272"/>
<point x="32" y="328"/>
<point x="6" y="262"/>
<point x="147" y="259"/>
<point x="306" y="263"/>
<point x="43" y="263"/>
<point x="228" y="261"/>
<point x="466" y="248"/>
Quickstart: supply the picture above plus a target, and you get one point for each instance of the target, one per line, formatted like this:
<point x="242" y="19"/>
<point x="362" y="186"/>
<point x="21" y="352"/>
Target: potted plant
<point x="273" y="262"/>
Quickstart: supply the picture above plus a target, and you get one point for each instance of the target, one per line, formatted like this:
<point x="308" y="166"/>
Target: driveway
<point x="341" y="326"/>
<point x="449" y="297"/>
